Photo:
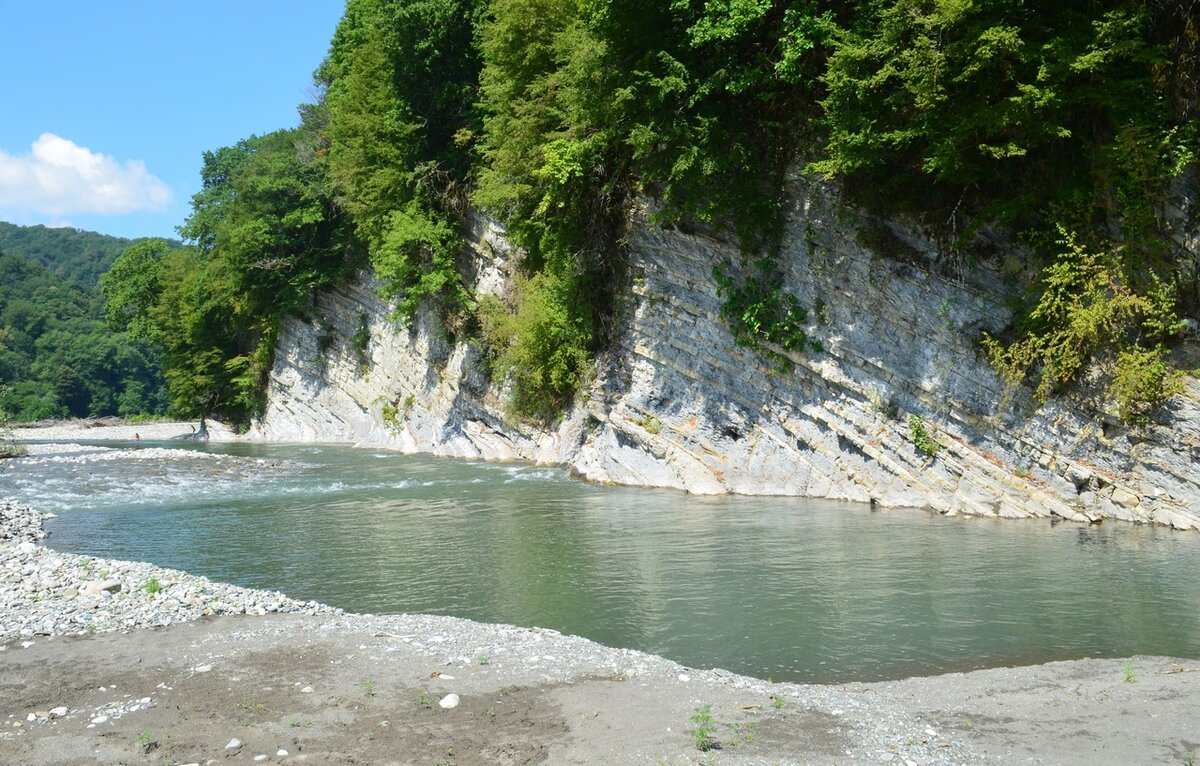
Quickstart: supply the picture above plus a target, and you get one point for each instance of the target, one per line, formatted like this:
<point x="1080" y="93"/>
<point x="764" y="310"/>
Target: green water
<point x="773" y="587"/>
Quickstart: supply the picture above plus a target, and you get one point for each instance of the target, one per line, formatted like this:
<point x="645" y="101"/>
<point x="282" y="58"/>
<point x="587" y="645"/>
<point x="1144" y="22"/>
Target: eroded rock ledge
<point x="677" y="404"/>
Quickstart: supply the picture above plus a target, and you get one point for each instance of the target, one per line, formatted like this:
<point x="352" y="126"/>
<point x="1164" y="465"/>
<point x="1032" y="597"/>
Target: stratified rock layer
<point x="678" y="404"/>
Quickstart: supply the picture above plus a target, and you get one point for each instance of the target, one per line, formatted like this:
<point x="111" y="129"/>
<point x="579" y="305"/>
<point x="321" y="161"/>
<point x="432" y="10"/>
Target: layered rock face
<point x="678" y="404"/>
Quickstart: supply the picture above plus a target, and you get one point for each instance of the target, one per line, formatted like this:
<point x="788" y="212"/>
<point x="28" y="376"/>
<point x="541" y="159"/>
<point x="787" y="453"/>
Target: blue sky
<point x="106" y="108"/>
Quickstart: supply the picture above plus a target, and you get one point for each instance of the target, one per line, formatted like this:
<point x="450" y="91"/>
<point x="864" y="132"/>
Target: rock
<point x="280" y="753"/>
<point x="27" y="547"/>
<point x="100" y="719"/>
<point x="202" y="668"/>
<point x="261" y="757"/>
<point x="306" y="690"/>
<point x="58" y="712"/>
<point x="1125" y="498"/>
<point x="449" y="701"/>
<point x="233" y="744"/>
<point x="98" y="587"/>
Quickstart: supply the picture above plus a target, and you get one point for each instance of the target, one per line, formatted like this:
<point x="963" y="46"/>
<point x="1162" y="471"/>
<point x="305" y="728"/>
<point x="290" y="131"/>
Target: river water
<point x="781" y="588"/>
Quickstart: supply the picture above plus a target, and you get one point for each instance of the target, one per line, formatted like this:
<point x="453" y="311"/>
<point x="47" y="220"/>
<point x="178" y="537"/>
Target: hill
<point x="57" y="356"/>
<point x="73" y="254"/>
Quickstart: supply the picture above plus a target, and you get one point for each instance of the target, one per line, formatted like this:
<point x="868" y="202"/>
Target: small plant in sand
<point x="152" y="586"/>
<point x="702" y="735"/>
<point x="368" y="688"/>
<point x="777" y="703"/>
<point x="424" y="700"/>
<point x="1130" y="676"/>
<point x="743" y="733"/>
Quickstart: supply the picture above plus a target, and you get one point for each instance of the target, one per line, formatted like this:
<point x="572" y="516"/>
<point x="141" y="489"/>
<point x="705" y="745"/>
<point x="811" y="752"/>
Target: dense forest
<point x="58" y="357"/>
<point x="72" y="254"/>
<point x="1067" y="127"/>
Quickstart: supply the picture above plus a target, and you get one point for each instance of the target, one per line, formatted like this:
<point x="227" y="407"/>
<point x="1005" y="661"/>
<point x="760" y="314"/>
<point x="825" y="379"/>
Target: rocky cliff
<point x="678" y="404"/>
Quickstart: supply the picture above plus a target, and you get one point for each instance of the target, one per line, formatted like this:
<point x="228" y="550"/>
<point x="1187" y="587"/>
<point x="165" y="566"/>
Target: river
<point x="781" y="588"/>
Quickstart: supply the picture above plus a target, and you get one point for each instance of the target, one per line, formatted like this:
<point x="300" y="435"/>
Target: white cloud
<point x="58" y="177"/>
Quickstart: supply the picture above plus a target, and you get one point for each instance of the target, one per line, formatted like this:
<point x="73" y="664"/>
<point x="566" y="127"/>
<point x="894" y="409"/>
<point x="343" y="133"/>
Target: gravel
<point x="47" y="593"/>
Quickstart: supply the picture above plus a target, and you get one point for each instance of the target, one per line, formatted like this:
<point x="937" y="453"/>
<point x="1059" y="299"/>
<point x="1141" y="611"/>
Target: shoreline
<point x="576" y="701"/>
<point x="113" y="430"/>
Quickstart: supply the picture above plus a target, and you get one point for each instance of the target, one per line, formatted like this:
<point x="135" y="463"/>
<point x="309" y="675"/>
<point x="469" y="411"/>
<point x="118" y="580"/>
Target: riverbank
<point x="331" y="688"/>
<point x="112" y="429"/>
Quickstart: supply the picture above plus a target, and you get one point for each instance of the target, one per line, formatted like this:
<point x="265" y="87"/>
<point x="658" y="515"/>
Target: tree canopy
<point x="59" y="359"/>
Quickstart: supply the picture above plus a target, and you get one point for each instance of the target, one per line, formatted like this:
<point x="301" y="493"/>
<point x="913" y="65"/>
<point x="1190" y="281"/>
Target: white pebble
<point x="684" y="677"/>
<point x="449" y="701"/>
<point x="261" y="758"/>
<point x="100" y="719"/>
<point x="306" y="690"/>
<point x="202" y="668"/>
<point x="58" y="712"/>
<point x="280" y="753"/>
<point x="235" y="742"/>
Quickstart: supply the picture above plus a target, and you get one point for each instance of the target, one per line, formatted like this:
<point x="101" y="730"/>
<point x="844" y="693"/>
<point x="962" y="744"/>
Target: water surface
<point x="778" y="588"/>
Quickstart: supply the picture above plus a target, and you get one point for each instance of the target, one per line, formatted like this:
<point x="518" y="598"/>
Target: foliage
<point x="9" y="447"/>
<point x="400" y="87"/>
<point x="361" y="342"/>
<point x="1016" y="111"/>
<point x="57" y="357"/>
<point x="586" y="103"/>
<point x="69" y="254"/>
<point x="702" y="735"/>
<point x="266" y="232"/>
<point x="416" y="261"/>
<point x="1088" y="309"/>
<point x="759" y="312"/>
<point x="1036" y="116"/>
<point x="921" y="439"/>
<point x="541" y="347"/>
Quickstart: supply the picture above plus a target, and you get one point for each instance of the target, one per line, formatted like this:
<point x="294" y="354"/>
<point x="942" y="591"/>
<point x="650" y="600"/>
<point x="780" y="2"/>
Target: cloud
<point x="59" y="178"/>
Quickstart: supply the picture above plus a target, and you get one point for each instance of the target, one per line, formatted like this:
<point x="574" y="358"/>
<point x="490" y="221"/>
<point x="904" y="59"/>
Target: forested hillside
<point x="1062" y="130"/>
<point x="58" y="358"/>
<point x="80" y="256"/>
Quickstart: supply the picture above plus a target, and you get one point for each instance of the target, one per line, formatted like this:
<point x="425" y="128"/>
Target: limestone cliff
<point x="677" y="404"/>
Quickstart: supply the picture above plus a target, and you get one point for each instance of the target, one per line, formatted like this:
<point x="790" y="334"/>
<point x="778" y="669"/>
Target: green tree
<point x="400" y="89"/>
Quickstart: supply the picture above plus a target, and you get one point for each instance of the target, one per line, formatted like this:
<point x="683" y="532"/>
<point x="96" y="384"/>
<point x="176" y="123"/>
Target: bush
<point x="541" y="346"/>
<point x="8" y="446"/>
<point x="1087" y="312"/>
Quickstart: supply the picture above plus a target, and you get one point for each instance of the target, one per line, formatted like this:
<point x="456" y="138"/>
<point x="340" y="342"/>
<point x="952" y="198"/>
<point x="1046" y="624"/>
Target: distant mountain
<point x="72" y="254"/>
<point x="58" y="358"/>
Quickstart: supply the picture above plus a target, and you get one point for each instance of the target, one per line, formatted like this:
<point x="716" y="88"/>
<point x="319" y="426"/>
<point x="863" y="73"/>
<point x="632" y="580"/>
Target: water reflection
<point x="781" y="588"/>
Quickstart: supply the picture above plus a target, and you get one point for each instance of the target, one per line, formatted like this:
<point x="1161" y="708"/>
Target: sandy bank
<point x="103" y="430"/>
<point x="356" y="688"/>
